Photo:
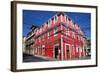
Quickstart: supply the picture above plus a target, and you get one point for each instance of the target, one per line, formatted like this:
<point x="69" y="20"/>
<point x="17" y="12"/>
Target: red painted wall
<point x="52" y="40"/>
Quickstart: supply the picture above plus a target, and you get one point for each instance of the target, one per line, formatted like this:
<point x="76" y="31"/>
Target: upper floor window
<point x="77" y="37"/>
<point x="65" y="18"/>
<point x="77" y="49"/>
<point x="73" y="34"/>
<point x="55" y="31"/>
<point x="55" y="19"/>
<point x="43" y="37"/>
<point x="49" y="23"/>
<point x="48" y="34"/>
<point x="67" y="31"/>
<point x="39" y="39"/>
<point x="61" y="17"/>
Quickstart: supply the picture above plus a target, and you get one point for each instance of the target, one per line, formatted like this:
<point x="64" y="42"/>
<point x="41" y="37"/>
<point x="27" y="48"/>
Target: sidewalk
<point x="46" y="58"/>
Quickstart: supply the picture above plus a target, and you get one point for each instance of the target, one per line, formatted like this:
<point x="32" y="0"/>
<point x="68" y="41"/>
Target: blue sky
<point x="32" y="17"/>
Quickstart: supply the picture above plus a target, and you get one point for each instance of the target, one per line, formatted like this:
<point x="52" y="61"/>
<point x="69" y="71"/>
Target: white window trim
<point x="43" y="46"/>
<point x="48" y="34"/>
<point x="77" y="48"/>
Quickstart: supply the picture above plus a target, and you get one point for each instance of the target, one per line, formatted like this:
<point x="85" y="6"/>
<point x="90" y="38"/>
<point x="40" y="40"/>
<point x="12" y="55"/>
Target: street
<point x="32" y="58"/>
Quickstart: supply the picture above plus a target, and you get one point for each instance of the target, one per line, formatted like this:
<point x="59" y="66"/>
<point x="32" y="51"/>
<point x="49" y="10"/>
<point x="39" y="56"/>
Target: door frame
<point x="54" y="50"/>
<point x="66" y="49"/>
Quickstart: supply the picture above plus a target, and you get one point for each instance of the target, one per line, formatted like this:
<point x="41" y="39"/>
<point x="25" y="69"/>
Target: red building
<point x="59" y="38"/>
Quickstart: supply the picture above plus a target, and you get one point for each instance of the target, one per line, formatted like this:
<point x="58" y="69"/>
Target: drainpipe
<point x="61" y="44"/>
<point x="62" y="48"/>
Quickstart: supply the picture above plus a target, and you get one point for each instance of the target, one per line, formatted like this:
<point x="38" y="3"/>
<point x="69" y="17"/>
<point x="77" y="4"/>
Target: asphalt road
<point x="31" y="58"/>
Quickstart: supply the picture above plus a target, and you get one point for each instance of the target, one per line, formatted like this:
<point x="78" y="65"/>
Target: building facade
<point x="24" y="44"/>
<point x="88" y="45"/>
<point x="30" y="41"/>
<point x="59" y="38"/>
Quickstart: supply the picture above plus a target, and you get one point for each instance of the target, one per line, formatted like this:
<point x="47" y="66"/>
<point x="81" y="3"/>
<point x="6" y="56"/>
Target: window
<point x="67" y="51"/>
<point x="77" y="48"/>
<point x="55" y="19"/>
<point x="36" y="50"/>
<point x="39" y="39"/>
<point x="77" y="37"/>
<point x="55" y="31"/>
<point x="43" y="46"/>
<point x="67" y="31"/>
<point x="48" y="34"/>
<point x="61" y="17"/>
<point x="49" y="22"/>
<point x="73" y="34"/>
<point x="43" y="37"/>
<point x="66" y="18"/>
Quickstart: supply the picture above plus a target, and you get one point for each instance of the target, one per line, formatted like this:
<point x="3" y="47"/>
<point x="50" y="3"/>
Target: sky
<point x="38" y="18"/>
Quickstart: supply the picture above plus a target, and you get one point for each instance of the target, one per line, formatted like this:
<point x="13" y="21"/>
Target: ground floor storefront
<point x="60" y="49"/>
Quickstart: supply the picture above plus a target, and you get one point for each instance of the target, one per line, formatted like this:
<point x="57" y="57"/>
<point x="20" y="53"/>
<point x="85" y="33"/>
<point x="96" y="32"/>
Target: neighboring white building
<point x="24" y="45"/>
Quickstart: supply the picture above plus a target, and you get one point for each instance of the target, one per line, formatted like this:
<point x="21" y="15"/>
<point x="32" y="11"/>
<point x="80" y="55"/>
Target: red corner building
<point x="59" y="38"/>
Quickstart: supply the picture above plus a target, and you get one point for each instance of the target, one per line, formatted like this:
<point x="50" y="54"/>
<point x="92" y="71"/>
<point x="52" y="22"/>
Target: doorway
<point x="56" y="51"/>
<point x="78" y="52"/>
<point x="67" y="52"/>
